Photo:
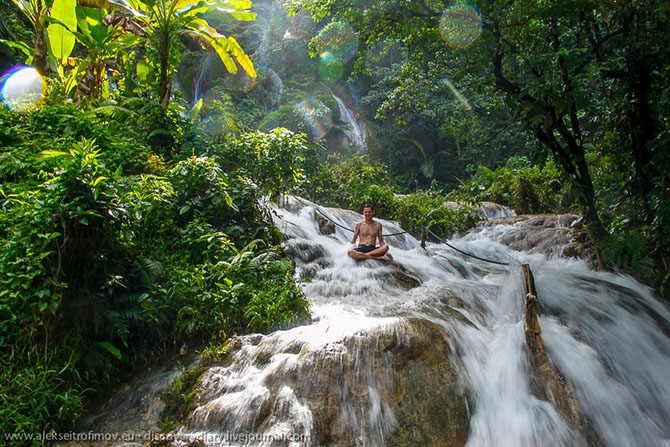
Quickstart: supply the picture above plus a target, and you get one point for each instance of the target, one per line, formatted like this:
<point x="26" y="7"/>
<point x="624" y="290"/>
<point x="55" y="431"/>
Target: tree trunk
<point x="569" y="155"/>
<point x="164" y="82"/>
<point x="41" y="55"/>
<point x="571" y="158"/>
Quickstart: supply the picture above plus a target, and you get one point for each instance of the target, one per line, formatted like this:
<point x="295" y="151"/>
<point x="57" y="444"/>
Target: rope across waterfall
<point x="350" y="230"/>
<point x="422" y="228"/>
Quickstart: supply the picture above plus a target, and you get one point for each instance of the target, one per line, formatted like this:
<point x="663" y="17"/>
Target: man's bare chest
<point x="369" y="229"/>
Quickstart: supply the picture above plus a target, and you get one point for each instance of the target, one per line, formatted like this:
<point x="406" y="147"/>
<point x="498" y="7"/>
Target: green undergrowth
<point x="521" y="185"/>
<point x="180" y="398"/>
<point x="120" y="244"/>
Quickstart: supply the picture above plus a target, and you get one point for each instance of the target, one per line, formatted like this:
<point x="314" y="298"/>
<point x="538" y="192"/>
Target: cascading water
<point x="430" y="350"/>
<point x="197" y="84"/>
<point x="356" y="130"/>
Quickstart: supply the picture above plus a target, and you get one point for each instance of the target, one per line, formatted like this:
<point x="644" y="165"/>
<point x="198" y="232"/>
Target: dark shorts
<point x="365" y="248"/>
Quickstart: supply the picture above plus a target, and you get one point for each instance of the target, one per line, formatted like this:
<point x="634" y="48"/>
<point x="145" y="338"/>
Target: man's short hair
<point x="367" y="205"/>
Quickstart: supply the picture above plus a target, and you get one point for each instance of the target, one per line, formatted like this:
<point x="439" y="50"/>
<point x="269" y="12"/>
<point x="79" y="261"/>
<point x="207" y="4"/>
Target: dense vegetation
<point x="131" y="217"/>
<point x="115" y="256"/>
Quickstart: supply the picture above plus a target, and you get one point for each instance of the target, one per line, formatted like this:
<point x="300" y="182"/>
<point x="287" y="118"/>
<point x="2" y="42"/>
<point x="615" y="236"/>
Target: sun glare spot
<point x="463" y="100"/>
<point x="21" y="88"/>
<point x="460" y="25"/>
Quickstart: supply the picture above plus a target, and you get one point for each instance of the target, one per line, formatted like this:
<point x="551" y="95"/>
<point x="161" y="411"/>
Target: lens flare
<point x="316" y="115"/>
<point x="463" y="100"/>
<point x="385" y="58"/>
<point x="460" y="25"/>
<point x="336" y="43"/>
<point x="328" y="70"/>
<point x="340" y="40"/>
<point x="21" y="88"/>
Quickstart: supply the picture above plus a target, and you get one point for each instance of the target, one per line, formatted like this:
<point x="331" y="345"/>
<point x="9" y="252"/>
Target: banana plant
<point x="37" y="12"/>
<point x="165" y="20"/>
<point x="51" y="39"/>
<point x="104" y="38"/>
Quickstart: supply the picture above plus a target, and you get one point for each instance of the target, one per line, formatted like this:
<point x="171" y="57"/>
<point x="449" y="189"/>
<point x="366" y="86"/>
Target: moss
<point x="182" y="396"/>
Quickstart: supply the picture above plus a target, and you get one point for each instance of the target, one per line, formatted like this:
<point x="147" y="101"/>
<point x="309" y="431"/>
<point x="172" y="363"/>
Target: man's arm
<point x="379" y="233"/>
<point x="356" y="233"/>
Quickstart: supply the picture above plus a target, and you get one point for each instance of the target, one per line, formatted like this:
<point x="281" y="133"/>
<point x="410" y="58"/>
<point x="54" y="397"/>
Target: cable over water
<point x="422" y="228"/>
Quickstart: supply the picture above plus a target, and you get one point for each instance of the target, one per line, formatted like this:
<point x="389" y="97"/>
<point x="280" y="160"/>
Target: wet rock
<point x="294" y="347"/>
<point x="326" y="227"/>
<point x="391" y="385"/>
<point x="302" y="250"/>
<point x="549" y="234"/>
<point x="488" y="210"/>
<point x="132" y="416"/>
<point x="293" y="204"/>
<point x="452" y="205"/>
<point x="400" y="277"/>
<point x="405" y="280"/>
<point x="404" y="372"/>
<point x="493" y="210"/>
<point x="307" y="272"/>
<point x="454" y="301"/>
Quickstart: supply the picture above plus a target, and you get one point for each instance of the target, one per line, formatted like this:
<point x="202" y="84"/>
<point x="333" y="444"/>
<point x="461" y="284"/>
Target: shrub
<point x="112" y="256"/>
<point x="525" y="187"/>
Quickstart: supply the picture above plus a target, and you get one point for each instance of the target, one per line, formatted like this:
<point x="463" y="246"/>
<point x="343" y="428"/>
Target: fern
<point x="150" y="270"/>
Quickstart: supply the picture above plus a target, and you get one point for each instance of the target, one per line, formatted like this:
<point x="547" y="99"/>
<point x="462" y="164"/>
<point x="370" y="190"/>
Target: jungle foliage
<point x="117" y="253"/>
<point x="351" y="183"/>
<point x="131" y="221"/>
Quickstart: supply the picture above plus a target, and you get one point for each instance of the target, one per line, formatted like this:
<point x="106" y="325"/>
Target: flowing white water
<point x="606" y="333"/>
<point x="356" y="131"/>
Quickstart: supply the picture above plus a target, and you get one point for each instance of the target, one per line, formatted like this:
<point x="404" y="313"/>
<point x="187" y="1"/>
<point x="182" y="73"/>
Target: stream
<point x="429" y="350"/>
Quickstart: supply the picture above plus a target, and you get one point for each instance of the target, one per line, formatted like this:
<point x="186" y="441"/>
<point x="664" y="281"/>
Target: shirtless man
<point x="369" y="230"/>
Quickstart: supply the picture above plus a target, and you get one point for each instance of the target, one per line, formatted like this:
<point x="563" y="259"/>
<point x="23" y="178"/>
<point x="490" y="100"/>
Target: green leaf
<point x="82" y="22"/>
<point x="194" y="113"/>
<point x="241" y="57"/>
<point x="19" y="46"/>
<point x="184" y="3"/>
<point x="98" y="180"/>
<point x="142" y="71"/>
<point x="49" y="154"/>
<point x="53" y="307"/>
<point x="224" y="14"/>
<point x="76" y="75"/>
<point x="236" y="4"/>
<point x="94" y="18"/>
<point x="111" y="349"/>
<point x="217" y="41"/>
<point x="60" y="39"/>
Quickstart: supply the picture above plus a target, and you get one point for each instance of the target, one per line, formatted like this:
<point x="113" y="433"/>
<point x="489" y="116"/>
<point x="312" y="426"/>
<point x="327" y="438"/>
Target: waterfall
<point x="197" y="85"/>
<point x="430" y="350"/>
<point x="356" y="130"/>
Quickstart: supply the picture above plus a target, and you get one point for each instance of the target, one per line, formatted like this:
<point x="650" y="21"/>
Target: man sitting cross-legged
<point x="369" y="230"/>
